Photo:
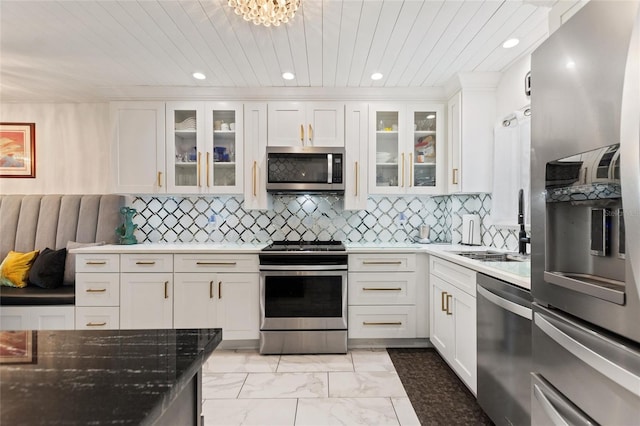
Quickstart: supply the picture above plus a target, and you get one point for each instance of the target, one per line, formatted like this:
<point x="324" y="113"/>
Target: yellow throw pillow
<point x="14" y="271"/>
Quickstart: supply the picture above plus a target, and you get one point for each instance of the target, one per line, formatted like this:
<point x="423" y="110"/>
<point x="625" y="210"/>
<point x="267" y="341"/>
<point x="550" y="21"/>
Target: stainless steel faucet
<point x="523" y="240"/>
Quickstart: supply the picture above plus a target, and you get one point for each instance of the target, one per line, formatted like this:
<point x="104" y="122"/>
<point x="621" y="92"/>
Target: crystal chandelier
<point x="265" y="12"/>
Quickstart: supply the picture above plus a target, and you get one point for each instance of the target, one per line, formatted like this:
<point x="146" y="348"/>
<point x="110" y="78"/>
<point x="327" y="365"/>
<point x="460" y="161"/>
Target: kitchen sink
<point x="493" y="256"/>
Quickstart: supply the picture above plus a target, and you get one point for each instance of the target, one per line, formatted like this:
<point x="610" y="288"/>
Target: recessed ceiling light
<point x="570" y="64"/>
<point x="376" y="76"/>
<point x="288" y="75"/>
<point x="199" y="76"/>
<point x="512" y="42"/>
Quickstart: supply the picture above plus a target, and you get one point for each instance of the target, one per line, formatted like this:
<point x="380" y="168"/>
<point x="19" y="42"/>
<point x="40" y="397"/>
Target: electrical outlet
<point x="402" y="218"/>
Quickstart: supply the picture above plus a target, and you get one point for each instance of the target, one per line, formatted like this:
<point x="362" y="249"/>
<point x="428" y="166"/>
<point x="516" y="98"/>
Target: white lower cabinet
<point x="37" y="317"/>
<point x="453" y="320"/>
<point x="382" y="296"/>
<point x="146" y="300"/>
<point x="195" y="303"/>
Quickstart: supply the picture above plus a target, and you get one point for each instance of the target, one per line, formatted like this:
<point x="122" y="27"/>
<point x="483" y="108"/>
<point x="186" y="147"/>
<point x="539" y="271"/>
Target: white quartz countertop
<point x="174" y="248"/>
<point x="517" y="273"/>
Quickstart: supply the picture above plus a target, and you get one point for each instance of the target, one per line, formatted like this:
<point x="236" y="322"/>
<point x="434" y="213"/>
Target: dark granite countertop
<point x="102" y="377"/>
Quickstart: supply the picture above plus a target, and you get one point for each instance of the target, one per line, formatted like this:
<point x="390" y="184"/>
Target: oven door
<point x="303" y="300"/>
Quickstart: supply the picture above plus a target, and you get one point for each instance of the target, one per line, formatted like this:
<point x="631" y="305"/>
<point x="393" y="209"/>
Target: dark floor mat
<point x="436" y="393"/>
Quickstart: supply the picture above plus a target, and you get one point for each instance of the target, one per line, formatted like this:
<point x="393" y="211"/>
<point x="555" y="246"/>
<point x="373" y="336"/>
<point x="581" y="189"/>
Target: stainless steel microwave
<point x="305" y="169"/>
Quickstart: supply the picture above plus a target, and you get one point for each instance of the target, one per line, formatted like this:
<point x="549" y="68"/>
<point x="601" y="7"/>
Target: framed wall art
<point x="17" y="150"/>
<point x="18" y="347"/>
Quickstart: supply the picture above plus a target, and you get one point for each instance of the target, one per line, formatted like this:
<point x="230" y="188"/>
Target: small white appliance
<point x="471" y="230"/>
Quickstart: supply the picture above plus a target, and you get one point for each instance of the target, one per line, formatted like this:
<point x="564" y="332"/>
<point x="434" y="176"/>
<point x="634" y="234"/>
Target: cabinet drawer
<point x="98" y="318"/>
<point x="382" y="322"/>
<point x="97" y="262"/>
<point x="146" y="262"/>
<point x="102" y="289"/>
<point x="382" y="262"/>
<point x="215" y="263"/>
<point x="376" y="288"/>
<point x="459" y="276"/>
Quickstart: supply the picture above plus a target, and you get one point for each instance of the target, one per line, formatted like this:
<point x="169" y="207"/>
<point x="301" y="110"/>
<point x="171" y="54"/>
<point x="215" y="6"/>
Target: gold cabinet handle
<point x="166" y="289"/>
<point x="210" y="289"/>
<point x="96" y="290"/>
<point x="310" y="134"/>
<point x="207" y="169"/>
<point x="449" y="297"/>
<point x="357" y="178"/>
<point x="145" y="262"/>
<point x="255" y="165"/>
<point x="442" y="301"/>
<point x="217" y="263"/>
<point x="302" y="134"/>
<point x="96" y="324"/>
<point x="159" y="179"/>
<point x="382" y="288"/>
<point x="198" y="168"/>
<point x="381" y="323"/>
<point x="403" y="170"/>
<point x="219" y="289"/>
<point x="410" y="169"/>
<point x="381" y="262"/>
<point x="455" y="177"/>
<point x="96" y="262"/>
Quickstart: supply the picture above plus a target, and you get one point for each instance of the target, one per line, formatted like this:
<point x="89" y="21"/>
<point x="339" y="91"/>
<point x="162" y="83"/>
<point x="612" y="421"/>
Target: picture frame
<point x="17" y="150"/>
<point x="18" y="347"/>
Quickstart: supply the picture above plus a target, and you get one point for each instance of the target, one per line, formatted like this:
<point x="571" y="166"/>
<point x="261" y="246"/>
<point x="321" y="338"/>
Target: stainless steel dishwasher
<point x="504" y="351"/>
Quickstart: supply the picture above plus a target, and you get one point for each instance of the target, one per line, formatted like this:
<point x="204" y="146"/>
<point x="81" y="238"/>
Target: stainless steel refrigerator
<point x="585" y="227"/>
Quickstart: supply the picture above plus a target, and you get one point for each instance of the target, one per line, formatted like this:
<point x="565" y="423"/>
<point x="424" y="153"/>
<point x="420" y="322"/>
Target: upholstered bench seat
<point x="32" y="296"/>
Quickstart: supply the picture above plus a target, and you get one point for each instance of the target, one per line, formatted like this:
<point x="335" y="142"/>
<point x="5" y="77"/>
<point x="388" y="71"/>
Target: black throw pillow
<point x="48" y="269"/>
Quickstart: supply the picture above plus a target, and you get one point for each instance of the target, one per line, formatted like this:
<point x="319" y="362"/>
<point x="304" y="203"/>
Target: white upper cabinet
<point x="306" y="124"/>
<point x="406" y="156"/>
<point x="470" y="138"/>
<point x="204" y="147"/>
<point x="138" y="137"/>
<point x="356" y="147"/>
<point x="255" y="164"/>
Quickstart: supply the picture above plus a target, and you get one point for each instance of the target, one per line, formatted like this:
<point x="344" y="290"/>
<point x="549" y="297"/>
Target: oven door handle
<point x="303" y="267"/>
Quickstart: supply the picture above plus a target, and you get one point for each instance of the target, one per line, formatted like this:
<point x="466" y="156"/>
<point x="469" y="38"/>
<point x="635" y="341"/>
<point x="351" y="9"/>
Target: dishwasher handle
<point x="510" y="306"/>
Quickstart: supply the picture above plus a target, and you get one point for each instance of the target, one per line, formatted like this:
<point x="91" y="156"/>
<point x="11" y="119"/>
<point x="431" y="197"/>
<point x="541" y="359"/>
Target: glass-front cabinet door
<point x="185" y="144"/>
<point x="386" y="177"/>
<point x="426" y="150"/>
<point x="204" y="147"/>
<point x="224" y="155"/>
<point x="408" y="153"/>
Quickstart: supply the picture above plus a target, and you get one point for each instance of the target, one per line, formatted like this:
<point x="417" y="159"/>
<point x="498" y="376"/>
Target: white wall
<point x="72" y="148"/>
<point x="510" y="91"/>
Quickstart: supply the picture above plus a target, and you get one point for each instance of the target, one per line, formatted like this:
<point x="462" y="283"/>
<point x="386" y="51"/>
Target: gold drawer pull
<point x="449" y="297"/>
<point x="443" y="296"/>
<point x="96" y="262"/>
<point x="96" y="290"/>
<point x="381" y="323"/>
<point x="381" y="262"/>
<point x="159" y="179"/>
<point x="219" y="289"/>
<point x="382" y="289"/>
<point x="210" y="289"/>
<point x="166" y="289"/>
<point x="217" y="263"/>
<point x="455" y="177"/>
<point x="145" y="262"/>
<point x="96" y="324"/>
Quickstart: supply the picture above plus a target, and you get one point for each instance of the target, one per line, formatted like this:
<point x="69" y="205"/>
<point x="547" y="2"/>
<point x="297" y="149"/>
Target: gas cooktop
<point x="280" y="246"/>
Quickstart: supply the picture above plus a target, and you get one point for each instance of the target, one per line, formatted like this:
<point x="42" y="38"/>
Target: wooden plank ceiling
<point x="81" y="50"/>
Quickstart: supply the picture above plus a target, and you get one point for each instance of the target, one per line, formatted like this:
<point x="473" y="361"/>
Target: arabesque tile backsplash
<point x="312" y="217"/>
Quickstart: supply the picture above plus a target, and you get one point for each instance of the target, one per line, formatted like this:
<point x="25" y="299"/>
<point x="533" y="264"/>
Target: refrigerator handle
<point x="599" y="362"/>
<point x="510" y="306"/>
<point x="553" y="414"/>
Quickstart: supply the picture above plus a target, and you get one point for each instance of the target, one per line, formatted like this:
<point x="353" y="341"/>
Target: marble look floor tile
<point x="365" y="385"/>
<point x="285" y="385"/>
<point x="307" y="363"/>
<point x="405" y="412"/>
<point x="372" y="360"/>
<point x="345" y="411"/>
<point x="255" y="412"/>
<point x="222" y="385"/>
<point x="240" y="362"/>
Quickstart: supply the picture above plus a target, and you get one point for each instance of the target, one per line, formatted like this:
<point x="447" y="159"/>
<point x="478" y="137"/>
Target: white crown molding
<point x="472" y="81"/>
<point x="142" y="93"/>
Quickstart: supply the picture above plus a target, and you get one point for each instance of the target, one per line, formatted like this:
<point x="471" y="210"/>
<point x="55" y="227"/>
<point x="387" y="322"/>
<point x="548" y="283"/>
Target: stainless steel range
<point x="303" y="297"/>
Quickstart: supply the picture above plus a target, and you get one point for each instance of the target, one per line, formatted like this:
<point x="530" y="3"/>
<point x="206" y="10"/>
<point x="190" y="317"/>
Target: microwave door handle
<point x="329" y="168"/>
